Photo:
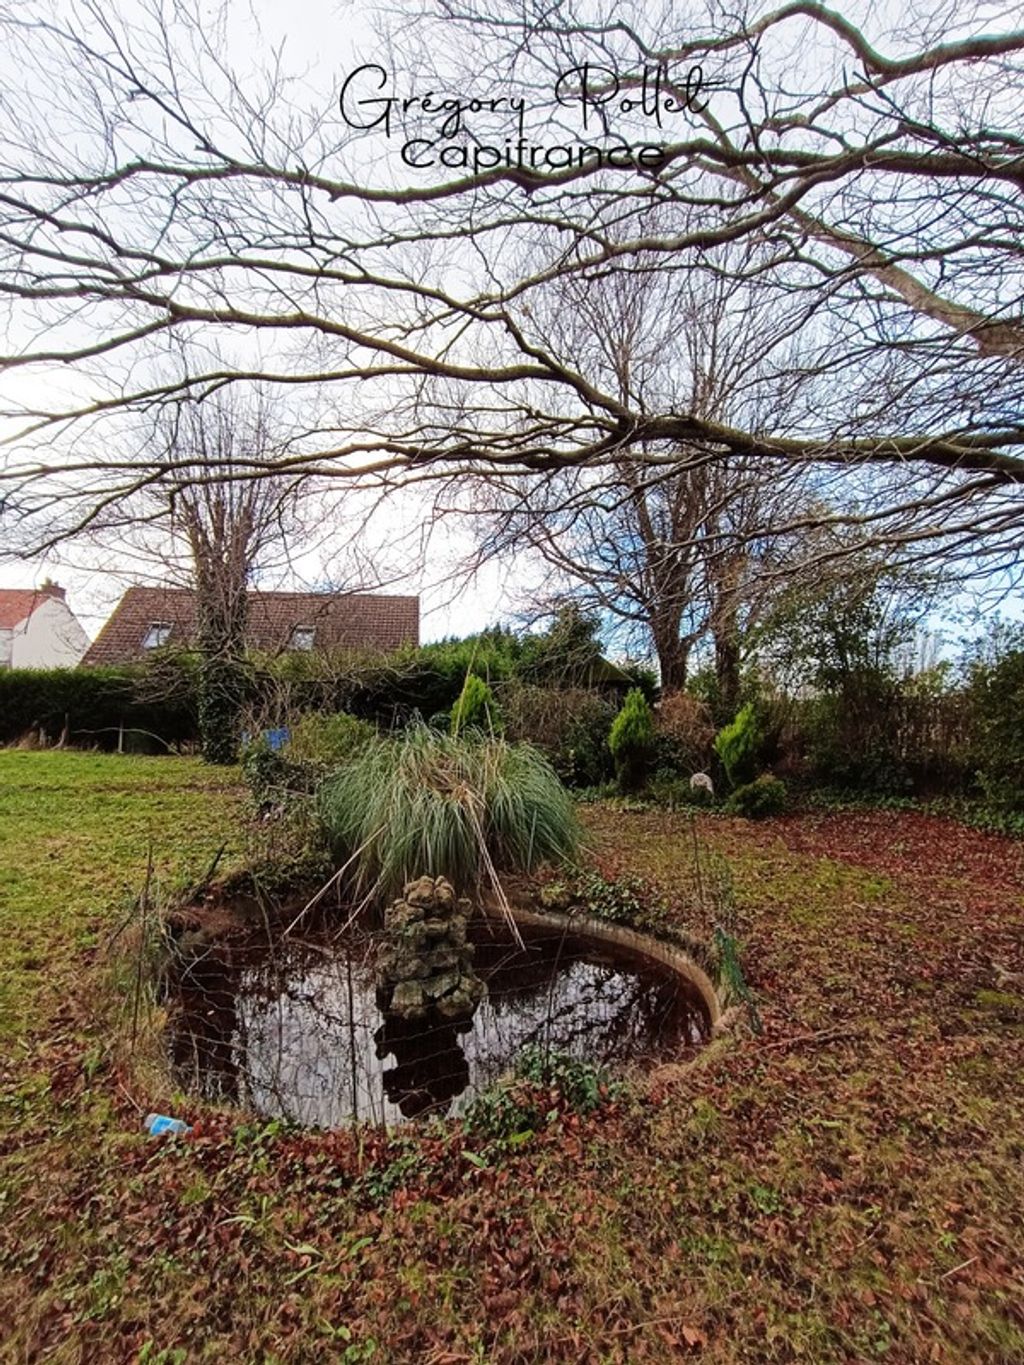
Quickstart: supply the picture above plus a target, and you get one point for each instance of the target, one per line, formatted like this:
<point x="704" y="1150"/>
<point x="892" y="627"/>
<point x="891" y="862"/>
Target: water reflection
<point x="292" y="1029"/>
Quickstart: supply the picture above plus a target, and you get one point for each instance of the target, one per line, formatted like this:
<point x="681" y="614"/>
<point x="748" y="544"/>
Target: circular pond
<point x="290" y="1027"/>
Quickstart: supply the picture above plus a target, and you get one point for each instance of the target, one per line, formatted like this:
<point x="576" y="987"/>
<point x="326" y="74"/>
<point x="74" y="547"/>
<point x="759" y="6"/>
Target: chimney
<point x="51" y="589"/>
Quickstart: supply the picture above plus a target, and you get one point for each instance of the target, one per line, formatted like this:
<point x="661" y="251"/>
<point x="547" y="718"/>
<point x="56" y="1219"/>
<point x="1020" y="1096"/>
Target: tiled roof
<point x="17" y="603"/>
<point x="360" y="621"/>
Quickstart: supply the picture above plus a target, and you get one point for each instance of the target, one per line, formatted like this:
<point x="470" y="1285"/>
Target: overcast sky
<point x="322" y="41"/>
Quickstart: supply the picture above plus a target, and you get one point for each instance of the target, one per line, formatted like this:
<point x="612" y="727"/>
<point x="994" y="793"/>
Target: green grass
<point x="843" y="1187"/>
<point x="75" y="835"/>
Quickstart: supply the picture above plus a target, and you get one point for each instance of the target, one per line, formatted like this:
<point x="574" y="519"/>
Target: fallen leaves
<point x="844" y="1187"/>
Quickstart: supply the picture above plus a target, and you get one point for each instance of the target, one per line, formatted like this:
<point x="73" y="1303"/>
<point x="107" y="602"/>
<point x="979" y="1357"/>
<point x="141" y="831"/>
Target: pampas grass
<point x="462" y="807"/>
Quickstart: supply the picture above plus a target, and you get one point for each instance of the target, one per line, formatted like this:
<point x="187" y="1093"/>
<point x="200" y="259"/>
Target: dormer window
<point x="158" y="634"/>
<point x="302" y="638"/>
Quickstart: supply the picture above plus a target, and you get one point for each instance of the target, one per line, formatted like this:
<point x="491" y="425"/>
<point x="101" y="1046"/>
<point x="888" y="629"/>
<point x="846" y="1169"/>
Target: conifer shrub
<point x="632" y="741"/>
<point x="737" y="745"/>
<point x="475" y="708"/>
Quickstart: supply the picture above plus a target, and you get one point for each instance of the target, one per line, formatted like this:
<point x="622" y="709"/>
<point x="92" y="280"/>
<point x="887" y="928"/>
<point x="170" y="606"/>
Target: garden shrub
<point x="738" y="746"/>
<point x="266" y="771"/>
<point x="99" y="706"/>
<point x="997" y="699"/>
<point x="686" y="722"/>
<point x="632" y="741"/>
<point x="319" y="741"/>
<point x="569" y="724"/>
<point x="854" y="735"/>
<point x="756" y="800"/>
<point x="423" y="803"/>
<point x="475" y="708"/>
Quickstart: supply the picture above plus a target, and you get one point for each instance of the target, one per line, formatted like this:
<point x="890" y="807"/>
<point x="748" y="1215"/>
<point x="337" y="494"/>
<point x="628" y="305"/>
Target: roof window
<point x="158" y="634"/>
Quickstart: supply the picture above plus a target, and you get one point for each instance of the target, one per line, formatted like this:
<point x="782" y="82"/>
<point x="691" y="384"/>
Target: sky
<point x="322" y="39"/>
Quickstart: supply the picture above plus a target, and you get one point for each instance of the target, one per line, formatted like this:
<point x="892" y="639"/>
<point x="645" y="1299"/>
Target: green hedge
<point x="153" y="704"/>
<point x="97" y="706"/>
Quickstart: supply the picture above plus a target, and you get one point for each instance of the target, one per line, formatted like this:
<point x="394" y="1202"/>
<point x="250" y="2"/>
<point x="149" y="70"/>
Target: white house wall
<point x="49" y="638"/>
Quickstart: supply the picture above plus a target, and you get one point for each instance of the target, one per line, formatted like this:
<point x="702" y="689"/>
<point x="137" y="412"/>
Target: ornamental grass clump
<point x="462" y="807"/>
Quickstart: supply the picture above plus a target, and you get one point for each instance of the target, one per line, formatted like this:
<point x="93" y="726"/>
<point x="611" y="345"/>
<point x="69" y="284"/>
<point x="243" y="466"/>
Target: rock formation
<point x="426" y="969"/>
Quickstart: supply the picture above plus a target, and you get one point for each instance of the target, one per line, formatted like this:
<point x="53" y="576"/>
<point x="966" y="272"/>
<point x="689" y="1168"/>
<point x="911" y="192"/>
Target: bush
<point x="570" y="725"/>
<point x="853" y="738"/>
<point x="997" y="700"/>
<point x="319" y="741"/>
<point x="266" y="772"/>
<point x="425" y="803"/>
<point x="686" y="722"/>
<point x="476" y="708"/>
<point x="737" y="745"/>
<point x="100" y="706"/>
<point x="632" y="741"/>
<point x="756" y="800"/>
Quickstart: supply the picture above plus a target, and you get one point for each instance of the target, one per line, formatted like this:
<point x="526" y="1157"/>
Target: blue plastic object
<point x="163" y="1123"/>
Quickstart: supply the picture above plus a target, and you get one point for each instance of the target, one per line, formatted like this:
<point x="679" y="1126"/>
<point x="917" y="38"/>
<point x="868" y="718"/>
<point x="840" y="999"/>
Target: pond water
<point x="291" y="1028"/>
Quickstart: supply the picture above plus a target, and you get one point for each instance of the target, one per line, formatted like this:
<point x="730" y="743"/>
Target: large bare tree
<point x="149" y="186"/>
<point x="227" y="526"/>
<point x="679" y="552"/>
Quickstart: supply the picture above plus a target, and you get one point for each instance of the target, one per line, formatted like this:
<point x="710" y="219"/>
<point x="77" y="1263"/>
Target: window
<point x="157" y="635"/>
<point x="302" y="637"/>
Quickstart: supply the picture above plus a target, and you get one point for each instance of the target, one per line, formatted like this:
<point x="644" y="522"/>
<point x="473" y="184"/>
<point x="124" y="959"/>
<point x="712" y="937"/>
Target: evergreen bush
<point x="476" y="708"/>
<point x="737" y="745"/>
<point x="632" y="741"/>
<point x="99" y="707"/>
<point x="765" y="796"/>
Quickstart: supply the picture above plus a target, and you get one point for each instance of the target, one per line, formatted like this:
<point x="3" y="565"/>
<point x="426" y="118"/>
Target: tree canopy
<point x="162" y="186"/>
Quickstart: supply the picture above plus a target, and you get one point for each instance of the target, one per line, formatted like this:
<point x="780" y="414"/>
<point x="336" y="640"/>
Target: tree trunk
<point x="727" y="673"/>
<point x="725" y="628"/>
<point x="221" y="620"/>
<point x="673" y="661"/>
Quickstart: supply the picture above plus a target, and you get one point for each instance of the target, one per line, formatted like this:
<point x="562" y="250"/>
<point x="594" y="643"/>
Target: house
<point x="38" y="629"/>
<point x="148" y="618"/>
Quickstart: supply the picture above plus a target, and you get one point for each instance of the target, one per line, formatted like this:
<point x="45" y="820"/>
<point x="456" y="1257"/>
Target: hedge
<point x="96" y="706"/>
<point x="154" y="704"/>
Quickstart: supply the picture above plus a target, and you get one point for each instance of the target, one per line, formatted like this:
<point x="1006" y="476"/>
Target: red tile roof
<point x="17" y="603"/>
<point x="357" y="621"/>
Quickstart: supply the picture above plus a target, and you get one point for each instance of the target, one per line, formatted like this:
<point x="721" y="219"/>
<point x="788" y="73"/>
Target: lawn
<point x="844" y="1186"/>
